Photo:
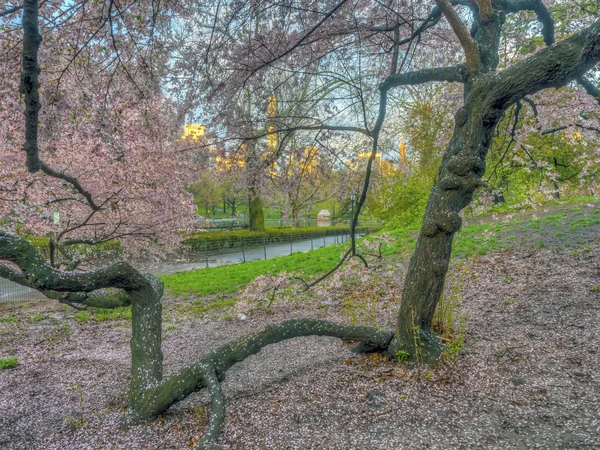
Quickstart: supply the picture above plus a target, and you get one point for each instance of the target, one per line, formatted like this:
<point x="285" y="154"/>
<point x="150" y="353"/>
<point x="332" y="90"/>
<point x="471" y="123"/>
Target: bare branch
<point x="8" y="12"/>
<point x="71" y="180"/>
<point x="466" y="40"/>
<point x="303" y="38"/>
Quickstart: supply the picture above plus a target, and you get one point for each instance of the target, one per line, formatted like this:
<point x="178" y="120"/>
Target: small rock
<point x="518" y="381"/>
<point x="373" y="398"/>
<point x="241" y="316"/>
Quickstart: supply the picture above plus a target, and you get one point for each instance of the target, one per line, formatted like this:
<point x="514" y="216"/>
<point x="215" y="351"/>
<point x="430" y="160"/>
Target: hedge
<point x="222" y="240"/>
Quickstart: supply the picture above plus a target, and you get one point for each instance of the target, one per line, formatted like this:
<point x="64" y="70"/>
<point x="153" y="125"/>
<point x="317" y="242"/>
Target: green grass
<point x="583" y="222"/>
<point x="476" y="239"/>
<point x="8" y="363"/>
<point x="103" y="315"/>
<point x="510" y="208"/>
<point x="8" y="319"/>
<point x="227" y="279"/>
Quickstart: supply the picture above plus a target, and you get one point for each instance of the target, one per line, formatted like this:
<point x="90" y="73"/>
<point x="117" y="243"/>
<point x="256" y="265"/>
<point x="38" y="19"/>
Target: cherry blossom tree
<point x="112" y="166"/>
<point x="361" y="57"/>
<point x="489" y="92"/>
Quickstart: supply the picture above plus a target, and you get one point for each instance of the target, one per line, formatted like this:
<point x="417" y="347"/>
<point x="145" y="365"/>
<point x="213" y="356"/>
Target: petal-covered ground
<point x="528" y="375"/>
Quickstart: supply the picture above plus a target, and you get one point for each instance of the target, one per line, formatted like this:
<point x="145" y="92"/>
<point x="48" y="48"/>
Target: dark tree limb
<point x="42" y="276"/>
<point x="453" y="74"/>
<point x="111" y="298"/>
<point x="178" y="386"/>
<point x="10" y="11"/>
<point x="531" y="103"/>
<point x="71" y="180"/>
<point x="553" y="66"/>
<point x="590" y="87"/>
<point x="30" y="85"/>
<point x="543" y="15"/>
<point x="564" y="127"/>
<point x="342" y="260"/>
<point x="217" y="406"/>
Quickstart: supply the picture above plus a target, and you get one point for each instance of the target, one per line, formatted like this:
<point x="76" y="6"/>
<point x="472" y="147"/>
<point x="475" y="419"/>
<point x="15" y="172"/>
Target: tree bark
<point x="487" y="97"/>
<point x="255" y="210"/>
<point x="460" y="174"/>
<point x="146" y="341"/>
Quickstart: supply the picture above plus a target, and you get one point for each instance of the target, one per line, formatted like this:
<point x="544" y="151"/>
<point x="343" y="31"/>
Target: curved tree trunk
<point x="146" y="342"/>
<point x="459" y="176"/>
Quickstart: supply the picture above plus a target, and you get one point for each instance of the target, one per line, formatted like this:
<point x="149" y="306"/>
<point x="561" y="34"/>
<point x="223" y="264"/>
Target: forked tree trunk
<point x="487" y="97"/>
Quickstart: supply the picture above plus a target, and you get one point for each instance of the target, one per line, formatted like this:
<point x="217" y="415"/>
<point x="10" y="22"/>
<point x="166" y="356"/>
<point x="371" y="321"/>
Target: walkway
<point x="14" y="293"/>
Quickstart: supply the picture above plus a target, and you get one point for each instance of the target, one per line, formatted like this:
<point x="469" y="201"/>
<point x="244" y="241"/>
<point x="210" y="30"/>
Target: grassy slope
<point x="227" y="279"/>
<point x="518" y="231"/>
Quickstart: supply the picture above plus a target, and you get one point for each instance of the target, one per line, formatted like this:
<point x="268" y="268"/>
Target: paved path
<point x="15" y="293"/>
<point x="199" y="260"/>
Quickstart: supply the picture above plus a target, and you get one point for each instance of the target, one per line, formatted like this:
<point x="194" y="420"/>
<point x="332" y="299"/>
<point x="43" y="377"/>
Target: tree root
<point x="210" y="370"/>
<point x="217" y="416"/>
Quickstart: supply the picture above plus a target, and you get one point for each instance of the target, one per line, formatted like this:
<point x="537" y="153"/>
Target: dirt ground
<point x="527" y="377"/>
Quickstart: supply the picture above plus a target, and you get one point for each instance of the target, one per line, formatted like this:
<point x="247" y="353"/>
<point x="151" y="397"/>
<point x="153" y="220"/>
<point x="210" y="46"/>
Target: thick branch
<point x="551" y="67"/>
<point x="453" y="74"/>
<point x="42" y="276"/>
<point x="466" y="41"/>
<point x="590" y="87"/>
<point x="217" y="406"/>
<point x="111" y="298"/>
<point x="189" y="379"/>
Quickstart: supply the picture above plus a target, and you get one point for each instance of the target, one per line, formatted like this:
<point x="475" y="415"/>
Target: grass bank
<point x="572" y="225"/>
<point x="227" y="279"/>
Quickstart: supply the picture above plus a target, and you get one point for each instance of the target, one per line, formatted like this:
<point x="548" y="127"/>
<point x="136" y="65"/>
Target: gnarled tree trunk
<point x="487" y="97"/>
<point x="460" y="174"/>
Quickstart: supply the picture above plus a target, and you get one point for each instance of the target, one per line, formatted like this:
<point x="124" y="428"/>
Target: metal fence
<point x="15" y="294"/>
<point x="243" y="250"/>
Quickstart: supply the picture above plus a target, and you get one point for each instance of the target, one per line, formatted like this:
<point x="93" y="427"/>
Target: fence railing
<point x="15" y="294"/>
<point x="242" y="250"/>
<point x="261" y="248"/>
